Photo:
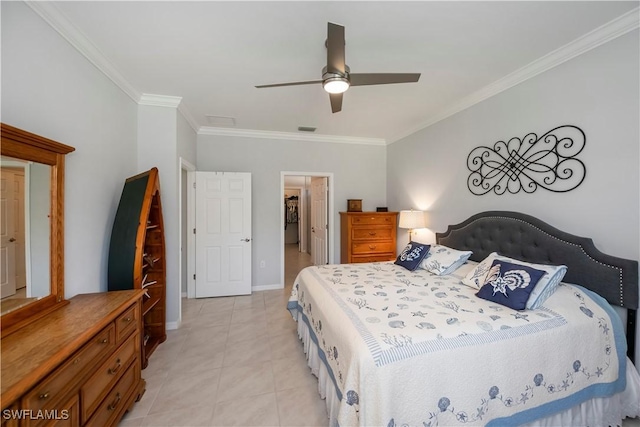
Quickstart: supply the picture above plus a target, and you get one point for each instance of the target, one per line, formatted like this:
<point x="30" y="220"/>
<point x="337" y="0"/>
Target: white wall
<point x="157" y="147"/>
<point x="359" y="173"/>
<point x="163" y="137"/>
<point x="48" y="88"/>
<point x="598" y="92"/>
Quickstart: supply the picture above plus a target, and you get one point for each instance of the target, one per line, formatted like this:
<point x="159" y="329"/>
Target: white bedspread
<point x="410" y="348"/>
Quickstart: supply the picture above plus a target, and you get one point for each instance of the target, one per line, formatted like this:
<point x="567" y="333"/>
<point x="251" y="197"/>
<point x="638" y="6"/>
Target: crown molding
<point x="59" y="22"/>
<point x="159" y="100"/>
<point x="170" y="102"/>
<point x="613" y="29"/>
<point x="291" y="136"/>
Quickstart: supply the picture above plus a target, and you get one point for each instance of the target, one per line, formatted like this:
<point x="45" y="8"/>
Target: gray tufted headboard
<point x="527" y="238"/>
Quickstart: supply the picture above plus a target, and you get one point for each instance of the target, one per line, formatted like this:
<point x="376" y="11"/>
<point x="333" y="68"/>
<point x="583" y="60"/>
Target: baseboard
<point x="266" y="287"/>
<point x="171" y="326"/>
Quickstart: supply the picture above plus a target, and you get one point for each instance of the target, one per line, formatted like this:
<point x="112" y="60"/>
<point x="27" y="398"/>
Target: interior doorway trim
<point x="330" y="215"/>
<point x="184" y="165"/>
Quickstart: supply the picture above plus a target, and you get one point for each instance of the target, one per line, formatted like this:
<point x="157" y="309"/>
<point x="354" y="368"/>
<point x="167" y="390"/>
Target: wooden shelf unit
<point x="137" y="254"/>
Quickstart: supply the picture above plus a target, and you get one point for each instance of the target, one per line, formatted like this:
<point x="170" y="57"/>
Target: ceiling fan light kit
<point x="336" y="77"/>
<point x="336" y="84"/>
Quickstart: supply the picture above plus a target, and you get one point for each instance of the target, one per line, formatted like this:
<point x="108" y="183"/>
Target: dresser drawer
<point x="127" y="322"/>
<point x="67" y="415"/>
<point x="373" y="258"/>
<point x="373" y="219"/>
<point x="107" y="374"/>
<point x="114" y="402"/>
<point x="372" y="233"/>
<point x="49" y="392"/>
<point x="372" y="247"/>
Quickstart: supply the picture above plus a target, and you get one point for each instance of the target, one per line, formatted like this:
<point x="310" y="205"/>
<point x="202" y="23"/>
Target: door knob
<point x="12" y="239"/>
<point x="245" y="240"/>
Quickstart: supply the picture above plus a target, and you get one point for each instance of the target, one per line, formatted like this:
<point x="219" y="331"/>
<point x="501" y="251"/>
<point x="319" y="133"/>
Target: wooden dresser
<point x="367" y="236"/>
<point x="79" y="365"/>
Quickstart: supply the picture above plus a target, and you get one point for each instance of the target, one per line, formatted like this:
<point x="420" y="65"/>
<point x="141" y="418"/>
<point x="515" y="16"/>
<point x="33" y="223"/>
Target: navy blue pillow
<point x="412" y="255"/>
<point x="509" y="284"/>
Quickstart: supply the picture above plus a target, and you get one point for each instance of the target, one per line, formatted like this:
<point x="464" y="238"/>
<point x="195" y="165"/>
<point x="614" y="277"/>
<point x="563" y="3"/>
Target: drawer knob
<point x="115" y="369"/>
<point x="75" y="362"/>
<point x="372" y="233"/>
<point x="127" y="319"/>
<point x="44" y="395"/>
<point x="113" y="404"/>
<point x="104" y="340"/>
<point x="372" y="246"/>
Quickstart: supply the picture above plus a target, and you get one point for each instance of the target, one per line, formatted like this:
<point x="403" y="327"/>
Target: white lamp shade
<point x="412" y="219"/>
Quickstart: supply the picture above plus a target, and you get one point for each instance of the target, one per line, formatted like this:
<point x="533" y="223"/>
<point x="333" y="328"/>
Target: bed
<point x="393" y="347"/>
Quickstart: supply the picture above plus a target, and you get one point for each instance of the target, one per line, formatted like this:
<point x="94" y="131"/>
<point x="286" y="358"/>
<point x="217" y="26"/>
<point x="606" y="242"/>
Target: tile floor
<point x="235" y="361"/>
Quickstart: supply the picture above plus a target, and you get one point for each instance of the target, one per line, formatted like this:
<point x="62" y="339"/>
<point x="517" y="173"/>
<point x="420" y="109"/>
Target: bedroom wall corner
<point x="50" y="89"/>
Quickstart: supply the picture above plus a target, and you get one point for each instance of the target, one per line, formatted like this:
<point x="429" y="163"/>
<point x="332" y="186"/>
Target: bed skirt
<point x="597" y="412"/>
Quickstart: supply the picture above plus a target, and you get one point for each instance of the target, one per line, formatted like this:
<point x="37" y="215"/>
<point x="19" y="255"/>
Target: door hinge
<point x="194" y="185"/>
<point x="194" y="277"/>
<point x="194" y="231"/>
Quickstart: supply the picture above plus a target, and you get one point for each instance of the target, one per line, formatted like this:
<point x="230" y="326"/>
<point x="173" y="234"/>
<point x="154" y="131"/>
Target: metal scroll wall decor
<point x="525" y="164"/>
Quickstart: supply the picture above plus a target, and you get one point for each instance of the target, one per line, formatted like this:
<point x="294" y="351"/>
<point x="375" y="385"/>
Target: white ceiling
<point x="212" y="54"/>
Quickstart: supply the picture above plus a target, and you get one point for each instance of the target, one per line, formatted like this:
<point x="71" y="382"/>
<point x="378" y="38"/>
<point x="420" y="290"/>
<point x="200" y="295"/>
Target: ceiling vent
<point x="221" y="121"/>
<point x="306" y="129"/>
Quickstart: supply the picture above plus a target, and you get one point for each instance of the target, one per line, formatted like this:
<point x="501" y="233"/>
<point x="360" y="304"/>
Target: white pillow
<point x="543" y="289"/>
<point x="442" y="260"/>
<point x="464" y="269"/>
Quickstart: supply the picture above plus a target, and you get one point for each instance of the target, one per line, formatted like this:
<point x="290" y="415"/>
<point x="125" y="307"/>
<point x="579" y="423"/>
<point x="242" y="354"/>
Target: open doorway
<point x="307" y="201"/>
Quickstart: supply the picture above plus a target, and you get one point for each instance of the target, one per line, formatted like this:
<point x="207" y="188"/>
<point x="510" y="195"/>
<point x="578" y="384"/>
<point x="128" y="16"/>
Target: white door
<point x="7" y="236"/>
<point x="319" y="247"/>
<point x="223" y="234"/>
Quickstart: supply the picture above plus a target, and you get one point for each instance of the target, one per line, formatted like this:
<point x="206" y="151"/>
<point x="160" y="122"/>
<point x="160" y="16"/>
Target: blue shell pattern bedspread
<point x="412" y="348"/>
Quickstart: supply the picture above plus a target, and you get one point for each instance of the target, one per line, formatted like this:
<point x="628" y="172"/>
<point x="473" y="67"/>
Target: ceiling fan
<point x="337" y="77"/>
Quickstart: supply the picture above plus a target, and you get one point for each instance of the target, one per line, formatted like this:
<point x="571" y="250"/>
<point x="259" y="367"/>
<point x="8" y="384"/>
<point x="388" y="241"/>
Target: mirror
<point x="24" y="232"/>
<point x="32" y="229"/>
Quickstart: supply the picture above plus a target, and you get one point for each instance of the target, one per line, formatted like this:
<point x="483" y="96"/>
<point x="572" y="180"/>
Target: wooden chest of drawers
<point x="79" y="365"/>
<point x="367" y="236"/>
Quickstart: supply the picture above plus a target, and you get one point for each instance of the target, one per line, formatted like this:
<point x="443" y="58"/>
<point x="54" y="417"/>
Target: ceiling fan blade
<point x="335" y="49"/>
<point x="310" y="82"/>
<point x="336" y="102"/>
<point x="364" y="79"/>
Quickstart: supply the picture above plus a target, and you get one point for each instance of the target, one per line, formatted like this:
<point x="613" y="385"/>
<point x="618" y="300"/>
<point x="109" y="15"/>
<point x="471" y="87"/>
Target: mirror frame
<point x="25" y="145"/>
